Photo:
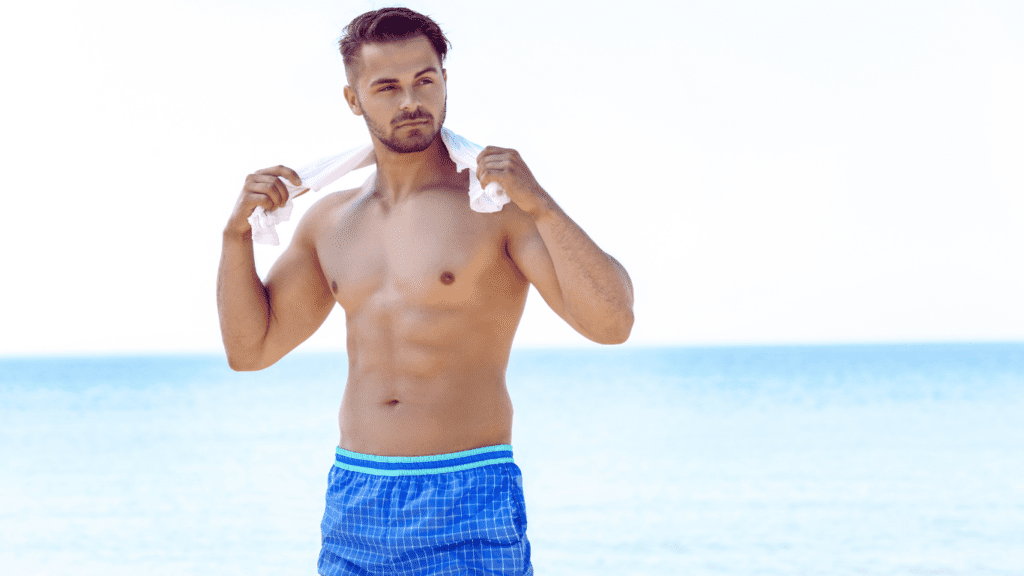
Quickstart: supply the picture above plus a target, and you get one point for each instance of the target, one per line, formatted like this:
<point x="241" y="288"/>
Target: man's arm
<point x="261" y="323"/>
<point x="579" y="281"/>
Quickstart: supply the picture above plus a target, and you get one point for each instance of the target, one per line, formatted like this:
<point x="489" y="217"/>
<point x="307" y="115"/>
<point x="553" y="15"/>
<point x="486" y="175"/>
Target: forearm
<point x="241" y="302"/>
<point x="596" y="293"/>
<point x="596" y="289"/>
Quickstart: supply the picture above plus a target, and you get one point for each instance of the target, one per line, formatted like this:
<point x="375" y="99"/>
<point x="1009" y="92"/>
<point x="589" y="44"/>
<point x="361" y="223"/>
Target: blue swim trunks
<point x="452" y="514"/>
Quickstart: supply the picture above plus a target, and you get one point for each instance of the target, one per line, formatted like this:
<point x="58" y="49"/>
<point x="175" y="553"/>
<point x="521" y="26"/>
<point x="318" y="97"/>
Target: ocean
<point x="789" y="460"/>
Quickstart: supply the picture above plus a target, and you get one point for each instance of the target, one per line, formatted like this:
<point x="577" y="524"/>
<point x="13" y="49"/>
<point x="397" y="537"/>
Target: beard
<point x="418" y="138"/>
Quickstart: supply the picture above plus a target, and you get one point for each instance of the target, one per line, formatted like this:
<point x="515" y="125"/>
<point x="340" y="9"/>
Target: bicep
<point x="530" y="254"/>
<point x="298" y="297"/>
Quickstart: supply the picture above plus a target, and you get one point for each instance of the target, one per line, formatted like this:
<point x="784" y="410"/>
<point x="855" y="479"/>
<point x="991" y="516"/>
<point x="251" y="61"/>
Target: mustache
<point x="410" y="116"/>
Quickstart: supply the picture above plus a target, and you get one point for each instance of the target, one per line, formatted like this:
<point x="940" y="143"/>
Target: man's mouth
<point x="413" y="123"/>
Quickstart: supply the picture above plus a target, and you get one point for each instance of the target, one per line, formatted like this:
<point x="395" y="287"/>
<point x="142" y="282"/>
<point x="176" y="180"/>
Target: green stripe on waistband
<point x="431" y="458"/>
<point x="421" y="471"/>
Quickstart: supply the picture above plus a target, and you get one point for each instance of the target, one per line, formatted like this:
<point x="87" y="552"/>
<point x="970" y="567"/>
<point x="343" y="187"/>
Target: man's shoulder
<point x="325" y="210"/>
<point x="330" y="204"/>
<point x="334" y="201"/>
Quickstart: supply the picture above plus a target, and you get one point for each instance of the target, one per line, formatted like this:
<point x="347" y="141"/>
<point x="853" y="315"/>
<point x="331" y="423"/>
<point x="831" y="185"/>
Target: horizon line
<point x="528" y="347"/>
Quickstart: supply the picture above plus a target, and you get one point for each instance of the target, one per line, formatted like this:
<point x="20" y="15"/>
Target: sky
<point x="768" y="173"/>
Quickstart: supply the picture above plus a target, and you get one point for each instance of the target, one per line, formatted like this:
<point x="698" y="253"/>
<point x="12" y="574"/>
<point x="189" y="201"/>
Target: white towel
<point x="326" y="170"/>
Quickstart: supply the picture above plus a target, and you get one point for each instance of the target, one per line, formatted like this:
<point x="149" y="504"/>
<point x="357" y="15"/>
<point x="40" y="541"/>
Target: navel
<point x="334" y="286"/>
<point x="447" y="278"/>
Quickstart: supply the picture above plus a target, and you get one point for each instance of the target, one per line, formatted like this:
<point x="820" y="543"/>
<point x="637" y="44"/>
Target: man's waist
<point x="423" y="465"/>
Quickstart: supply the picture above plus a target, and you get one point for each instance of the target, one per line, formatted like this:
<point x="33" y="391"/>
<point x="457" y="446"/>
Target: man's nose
<point x="410" y="101"/>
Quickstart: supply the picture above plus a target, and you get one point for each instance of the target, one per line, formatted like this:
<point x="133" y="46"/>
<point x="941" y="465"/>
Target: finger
<point x="283" y="171"/>
<point x="282" y="192"/>
<point x="487" y="176"/>
<point x="265" y="202"/>
<point x="498" y="162"/>
<point x="254" y="198"/>
<point x="493" y="170"/>
<point x="487" y="152"/>
<point x="484" y="163"/>
<point x="274" y="188"/>
<point x="266" y="190"/>
<point x="494" y="150"/>
<point x="491" y="152"/>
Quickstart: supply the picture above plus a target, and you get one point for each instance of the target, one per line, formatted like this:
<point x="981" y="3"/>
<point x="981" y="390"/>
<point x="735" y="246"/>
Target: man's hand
<point x="262" y="188"/>
<point x="506" y="167"/>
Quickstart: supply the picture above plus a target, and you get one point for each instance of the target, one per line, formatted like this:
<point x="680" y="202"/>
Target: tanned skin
<point x="432" y="291"/>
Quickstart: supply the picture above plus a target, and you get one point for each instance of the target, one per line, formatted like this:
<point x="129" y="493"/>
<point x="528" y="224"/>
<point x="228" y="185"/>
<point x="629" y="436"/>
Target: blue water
<point x="900" y="460"/>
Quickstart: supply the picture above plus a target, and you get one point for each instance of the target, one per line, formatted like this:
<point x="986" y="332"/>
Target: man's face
<point x="399" y="89"/>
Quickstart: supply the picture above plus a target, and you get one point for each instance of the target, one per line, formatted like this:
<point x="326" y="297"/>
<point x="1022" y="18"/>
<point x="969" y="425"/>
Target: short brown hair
<point x="389" y="25"/>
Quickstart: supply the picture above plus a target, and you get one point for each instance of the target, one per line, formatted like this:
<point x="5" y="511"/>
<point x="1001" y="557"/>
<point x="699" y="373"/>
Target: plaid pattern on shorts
<point x="450" y="514"/>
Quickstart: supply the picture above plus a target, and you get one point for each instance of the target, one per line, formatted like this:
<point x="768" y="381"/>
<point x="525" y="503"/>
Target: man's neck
<point x="400" y="175"/>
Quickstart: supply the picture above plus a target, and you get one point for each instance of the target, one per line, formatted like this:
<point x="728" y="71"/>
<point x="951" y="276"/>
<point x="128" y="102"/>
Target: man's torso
<point x="432" y="301"/>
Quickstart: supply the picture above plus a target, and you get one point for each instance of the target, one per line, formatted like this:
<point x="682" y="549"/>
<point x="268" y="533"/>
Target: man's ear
<point x="353" y="102"/>
<point x="444" y="74"/>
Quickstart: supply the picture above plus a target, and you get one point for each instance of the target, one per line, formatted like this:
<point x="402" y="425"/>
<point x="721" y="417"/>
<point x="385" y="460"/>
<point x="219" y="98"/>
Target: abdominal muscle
<point x="427" y="381"/>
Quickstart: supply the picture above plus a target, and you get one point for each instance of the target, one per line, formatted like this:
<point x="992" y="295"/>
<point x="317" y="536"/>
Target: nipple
<point x="447" y="278"/>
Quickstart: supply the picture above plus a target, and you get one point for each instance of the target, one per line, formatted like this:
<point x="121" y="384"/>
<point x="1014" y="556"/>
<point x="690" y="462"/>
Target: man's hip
<point x="452" y="514"/>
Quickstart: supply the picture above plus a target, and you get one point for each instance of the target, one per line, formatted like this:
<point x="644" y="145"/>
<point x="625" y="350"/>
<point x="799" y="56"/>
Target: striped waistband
<point x="420" y="465"/>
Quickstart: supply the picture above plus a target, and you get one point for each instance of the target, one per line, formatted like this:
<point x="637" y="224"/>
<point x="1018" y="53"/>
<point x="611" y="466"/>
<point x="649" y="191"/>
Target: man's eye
<point x="387" y="88"/>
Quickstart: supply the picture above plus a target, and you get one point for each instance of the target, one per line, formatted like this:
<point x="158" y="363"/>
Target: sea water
<point x="900" y="459"/>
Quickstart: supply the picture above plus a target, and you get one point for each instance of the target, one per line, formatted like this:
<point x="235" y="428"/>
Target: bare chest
<point x="430" y="251"/>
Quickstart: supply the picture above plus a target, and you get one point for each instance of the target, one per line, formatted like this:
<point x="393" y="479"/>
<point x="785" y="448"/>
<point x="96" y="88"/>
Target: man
<point x="433" y="292"/>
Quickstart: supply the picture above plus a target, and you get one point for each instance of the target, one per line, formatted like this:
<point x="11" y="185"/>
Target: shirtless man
<point x="432" y="293"/>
